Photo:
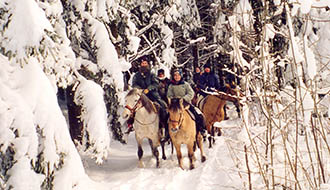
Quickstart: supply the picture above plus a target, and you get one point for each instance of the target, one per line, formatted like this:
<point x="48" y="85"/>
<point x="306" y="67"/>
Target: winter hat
<point x="177" y="71"/>
<point x="144" y="58"/>
<point x="207" y="65"/>
<point x="160" y="71"/>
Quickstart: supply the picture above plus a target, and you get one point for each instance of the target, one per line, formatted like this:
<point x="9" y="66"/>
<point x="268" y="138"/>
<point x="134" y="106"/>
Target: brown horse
<point x="182" y="130"/>
<point x="213" y="108"/>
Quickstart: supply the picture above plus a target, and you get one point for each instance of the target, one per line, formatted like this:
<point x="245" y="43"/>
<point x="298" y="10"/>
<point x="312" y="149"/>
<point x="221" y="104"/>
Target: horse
<point x="213" y="108"/>
<point x="182" y="130"/>
<point x="146" y="122"/>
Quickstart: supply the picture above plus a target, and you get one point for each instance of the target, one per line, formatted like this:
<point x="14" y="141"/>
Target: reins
<point x="135" y="109"/>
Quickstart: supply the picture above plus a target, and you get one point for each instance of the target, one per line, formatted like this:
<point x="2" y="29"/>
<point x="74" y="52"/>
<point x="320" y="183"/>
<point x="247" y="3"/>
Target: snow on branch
<point x="89" y="95"/>
<point x="36" y="130"/>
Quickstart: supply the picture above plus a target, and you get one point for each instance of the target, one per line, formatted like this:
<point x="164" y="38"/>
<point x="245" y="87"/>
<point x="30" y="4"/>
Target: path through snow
<point x="120" y="171"/>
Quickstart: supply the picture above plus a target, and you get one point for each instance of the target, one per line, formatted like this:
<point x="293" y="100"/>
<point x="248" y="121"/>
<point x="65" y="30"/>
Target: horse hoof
<point x="203" y="158"/>
<point x="164" y="157"/>
<point x="141" y="165"/>
<point x="192" y="167"/>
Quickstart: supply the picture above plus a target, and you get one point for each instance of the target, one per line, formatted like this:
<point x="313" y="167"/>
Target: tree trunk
<point x="74" y="111"/>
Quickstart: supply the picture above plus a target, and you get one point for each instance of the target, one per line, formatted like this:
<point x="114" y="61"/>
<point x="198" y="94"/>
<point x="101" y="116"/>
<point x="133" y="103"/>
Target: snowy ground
<point x="120" y="171"/>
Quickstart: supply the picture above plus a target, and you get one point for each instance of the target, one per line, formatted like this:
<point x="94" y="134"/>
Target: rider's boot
<point x="203" y="130"/>
<point x="163" y="117"/>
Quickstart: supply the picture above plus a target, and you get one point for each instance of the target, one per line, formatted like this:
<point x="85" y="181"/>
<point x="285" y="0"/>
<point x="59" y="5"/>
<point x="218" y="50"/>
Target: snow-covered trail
<point x="120" y="171"/>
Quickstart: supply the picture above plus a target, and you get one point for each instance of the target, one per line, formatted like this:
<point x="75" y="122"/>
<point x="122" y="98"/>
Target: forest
<point x="84" y="53"/>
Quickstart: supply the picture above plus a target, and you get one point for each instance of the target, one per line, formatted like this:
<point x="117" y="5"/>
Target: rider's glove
<point x="145" y="91"/>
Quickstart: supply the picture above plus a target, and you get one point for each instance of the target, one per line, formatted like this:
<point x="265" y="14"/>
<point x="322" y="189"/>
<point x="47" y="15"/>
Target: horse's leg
<point x="172" y="151"/>
<point x="162" y="144"/>
<point x="154" y="152"/>
<point x="140" y="151"/>
<point x="178" y="153"/>
<point x="210" y="138"/>
<point x="200" y="145"/>
<point x="191" y="155"/>
<point x="195" y="144"/>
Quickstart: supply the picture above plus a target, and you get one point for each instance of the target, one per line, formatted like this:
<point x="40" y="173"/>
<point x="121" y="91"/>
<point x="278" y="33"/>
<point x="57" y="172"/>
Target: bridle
<point x="135" y="108"/>
<point x="179" y="122"/>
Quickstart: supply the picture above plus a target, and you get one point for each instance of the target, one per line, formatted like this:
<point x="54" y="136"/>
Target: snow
<point x="39" y="124"/>
<point x="306" y="5"/>
<point x="244" y="10"/>
<point x="106" y="55"/>
<point x="134" y="43"/>
<point x="34" y="128"/>
<point x="89" y="96"/>
<point x="28" y="180"/>
<point x="121" y="170"/>
<point x="24" y="14"/>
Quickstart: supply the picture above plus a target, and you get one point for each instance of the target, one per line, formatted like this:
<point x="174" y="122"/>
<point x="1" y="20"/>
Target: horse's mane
<point x="146" y="102"/>
<point x="175" y="105"/>
<point x="132" y="92"/>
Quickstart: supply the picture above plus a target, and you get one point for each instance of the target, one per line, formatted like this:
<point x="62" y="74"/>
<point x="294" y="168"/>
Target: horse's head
<point x="175" y="110"/>
<point x="132" y="102"/>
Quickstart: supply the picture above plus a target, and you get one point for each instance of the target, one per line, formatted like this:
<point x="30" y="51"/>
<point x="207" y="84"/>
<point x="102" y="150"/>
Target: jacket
<point x="181" y="89"/>
<point x="147" y="81"/>
<point x="209" y="80"/>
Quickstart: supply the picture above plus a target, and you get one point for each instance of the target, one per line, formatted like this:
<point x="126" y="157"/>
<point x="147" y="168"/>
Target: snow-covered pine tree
<point x="36" y="57"/>
<point x="92" y="44"/>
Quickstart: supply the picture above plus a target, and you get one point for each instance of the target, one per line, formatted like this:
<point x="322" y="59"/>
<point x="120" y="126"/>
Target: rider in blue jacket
<point x="209" y="81"/>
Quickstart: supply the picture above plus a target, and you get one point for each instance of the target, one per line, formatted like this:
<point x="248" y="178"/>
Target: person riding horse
<point x="208" y="80"/>
<point x="148" y="81"/>
<point x="164" y="82"/>
<point x="196" y="79"/>
<point x="181" y="89"/>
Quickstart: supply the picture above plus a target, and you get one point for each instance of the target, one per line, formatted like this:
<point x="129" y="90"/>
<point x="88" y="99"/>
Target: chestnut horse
<point x="212" y="107"/>
<point x="146" y="122"/>
<point x="182" y="130"/>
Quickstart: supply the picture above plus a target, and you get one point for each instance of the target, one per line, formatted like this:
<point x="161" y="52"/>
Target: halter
<point x="180" y="121"/>
<point x="134" y="109"/>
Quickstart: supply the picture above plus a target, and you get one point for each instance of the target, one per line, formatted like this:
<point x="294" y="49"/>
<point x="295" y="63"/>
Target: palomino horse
<point x="182" y="130"/>
<point x="146" y="122"/>
<point x="212" y="107"/>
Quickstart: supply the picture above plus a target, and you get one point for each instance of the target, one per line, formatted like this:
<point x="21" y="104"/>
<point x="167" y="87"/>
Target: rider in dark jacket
<point x="209" y="80"/>
<point x="164" y="82"/>
<point x="148" y="81"/>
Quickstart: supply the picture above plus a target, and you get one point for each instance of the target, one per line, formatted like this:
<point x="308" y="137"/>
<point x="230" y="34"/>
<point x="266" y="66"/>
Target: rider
<point x="208" y="81"/>
<point x="181" y="89"/>
<point x="164" y="82"/>
<point x="147" y="81"/>
<point x="196" y="78"/>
